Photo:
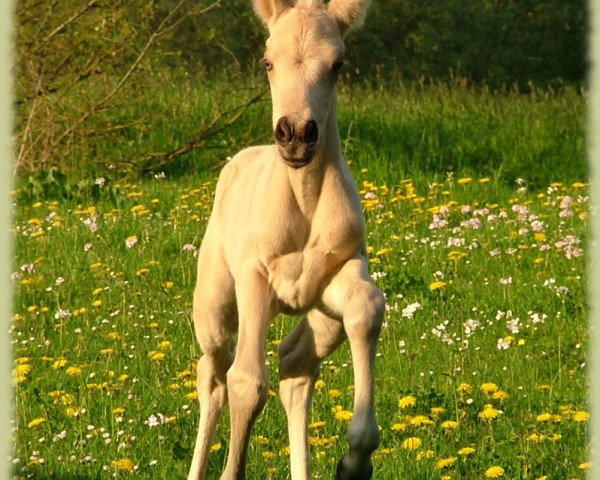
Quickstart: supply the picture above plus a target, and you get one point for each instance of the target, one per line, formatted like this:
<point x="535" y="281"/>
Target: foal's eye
<point x="337" y="66"/>
<point x="268" y="65"/>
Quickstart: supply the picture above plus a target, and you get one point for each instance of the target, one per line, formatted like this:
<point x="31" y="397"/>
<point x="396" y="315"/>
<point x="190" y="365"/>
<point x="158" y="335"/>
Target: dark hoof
<point x="352" y="469"/>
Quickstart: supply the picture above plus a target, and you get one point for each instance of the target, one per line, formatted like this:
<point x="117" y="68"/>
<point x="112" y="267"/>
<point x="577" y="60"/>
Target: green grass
<point x="103" y="340"/>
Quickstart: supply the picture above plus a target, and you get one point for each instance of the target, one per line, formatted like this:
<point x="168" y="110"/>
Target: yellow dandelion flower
<point x="494" y="472"/>
<point x="449" y="425"/>
<point x="343" y="415"/>
<point x="466" y="451"/>
<point x="59" y="363"/>
<point x="543" y="417"/>
<point x="97" y="303"/>
<point x="456" y="255"/>
<point x="420" y="421"/>
<point x="581" y="416"/>
<point x="535" y="438"/>
<point x="399" y="427"/>
<point x="334" y="393"/>
<point x="489" y="413"/>
<point x="73" y="412"/>
<point x="106" y="351"/>
<point x="192" y="396"/>
<point x="464" y="180"/>
<point x="268" y="455"/>
<point x="285" y="452"/>
<point x="425" y="454"/>
<point x="437" y="285"/>
<point x="216" y="447"/>
<point x="437" y="410"/>
<point x="261" y="440"/>
<point x="118" y="411"/>
<point x="585" y="465"/>
<point x="35" y="422"/>
<point x="500" y="395"/>
<point x="412" y="443"/>
<point x="445" y="462"/>
<point x="489" y="388"/>
<point x="123" y="464"/>
<point x="22" y="369"/>
<point x="317" y="424"/>
<point x="407" y="401"/>
<point x="191" y="383"/>
<point x="464" y="388"/>
<point x="157" y="356"/>
<point x="73" y="371"/>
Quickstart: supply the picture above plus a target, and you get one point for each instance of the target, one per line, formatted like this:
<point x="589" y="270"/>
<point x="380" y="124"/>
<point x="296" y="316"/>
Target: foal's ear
<point x="348" y="13"/>
<point x="268" y="10"/>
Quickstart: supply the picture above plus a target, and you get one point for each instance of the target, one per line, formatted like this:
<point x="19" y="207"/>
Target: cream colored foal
<point x="286" y="234"/>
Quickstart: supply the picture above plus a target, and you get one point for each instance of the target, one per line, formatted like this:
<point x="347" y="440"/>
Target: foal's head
<point x="304" y="55"/>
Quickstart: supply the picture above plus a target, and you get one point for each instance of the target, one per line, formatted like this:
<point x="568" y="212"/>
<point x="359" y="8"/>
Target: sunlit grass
<point x="481" y="363"/>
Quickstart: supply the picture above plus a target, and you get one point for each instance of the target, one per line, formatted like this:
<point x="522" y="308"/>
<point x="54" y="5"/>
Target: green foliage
<point x="88" y="73"/>
<point x="499" y="43"/>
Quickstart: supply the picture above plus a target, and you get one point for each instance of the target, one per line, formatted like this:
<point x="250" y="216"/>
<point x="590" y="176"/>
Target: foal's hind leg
<point x="361" y="306"/>
<point x="215" y="322"/>
<point x="299" y="357"/>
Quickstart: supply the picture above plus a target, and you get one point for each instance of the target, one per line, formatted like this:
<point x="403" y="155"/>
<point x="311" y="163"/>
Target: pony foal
<point x="286" y="235"/>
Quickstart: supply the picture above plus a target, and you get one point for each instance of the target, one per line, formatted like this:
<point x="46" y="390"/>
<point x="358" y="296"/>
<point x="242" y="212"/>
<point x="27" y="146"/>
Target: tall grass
<point x="482" y="362"/>
<point x="432" y="128"/>
<point x="436" y="129"/>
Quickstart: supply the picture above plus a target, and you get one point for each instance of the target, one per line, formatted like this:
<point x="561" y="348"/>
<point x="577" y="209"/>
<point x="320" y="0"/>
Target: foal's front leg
<point x="300" y="354"/>
<point x="247" y="379"/>
<point x="352" y="295"/>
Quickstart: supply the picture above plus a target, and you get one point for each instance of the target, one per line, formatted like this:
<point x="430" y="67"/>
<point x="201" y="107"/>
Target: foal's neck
<point x="307" y="182"/>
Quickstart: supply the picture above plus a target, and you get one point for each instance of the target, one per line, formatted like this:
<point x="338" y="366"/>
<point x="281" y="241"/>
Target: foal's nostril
<point x="284" y="132"/>
<point x="311" y="132"/>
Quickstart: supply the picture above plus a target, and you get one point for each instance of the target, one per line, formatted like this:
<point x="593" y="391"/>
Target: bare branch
<point x="221" y="121"/>
<point x="159" y="31"/>
<point x="65" y="24"/>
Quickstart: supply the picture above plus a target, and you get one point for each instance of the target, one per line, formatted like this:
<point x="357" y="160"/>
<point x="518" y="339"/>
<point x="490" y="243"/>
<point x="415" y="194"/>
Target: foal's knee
<point x="364" y="310"/>
<point x="247" y="390"/>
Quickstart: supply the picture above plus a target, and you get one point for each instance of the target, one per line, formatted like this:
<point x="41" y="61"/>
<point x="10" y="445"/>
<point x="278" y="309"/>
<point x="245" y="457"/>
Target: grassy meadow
<point x="477" y="214"/>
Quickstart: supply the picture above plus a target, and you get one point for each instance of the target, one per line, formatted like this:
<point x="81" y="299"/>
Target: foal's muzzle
<point x="297" y="142"/>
